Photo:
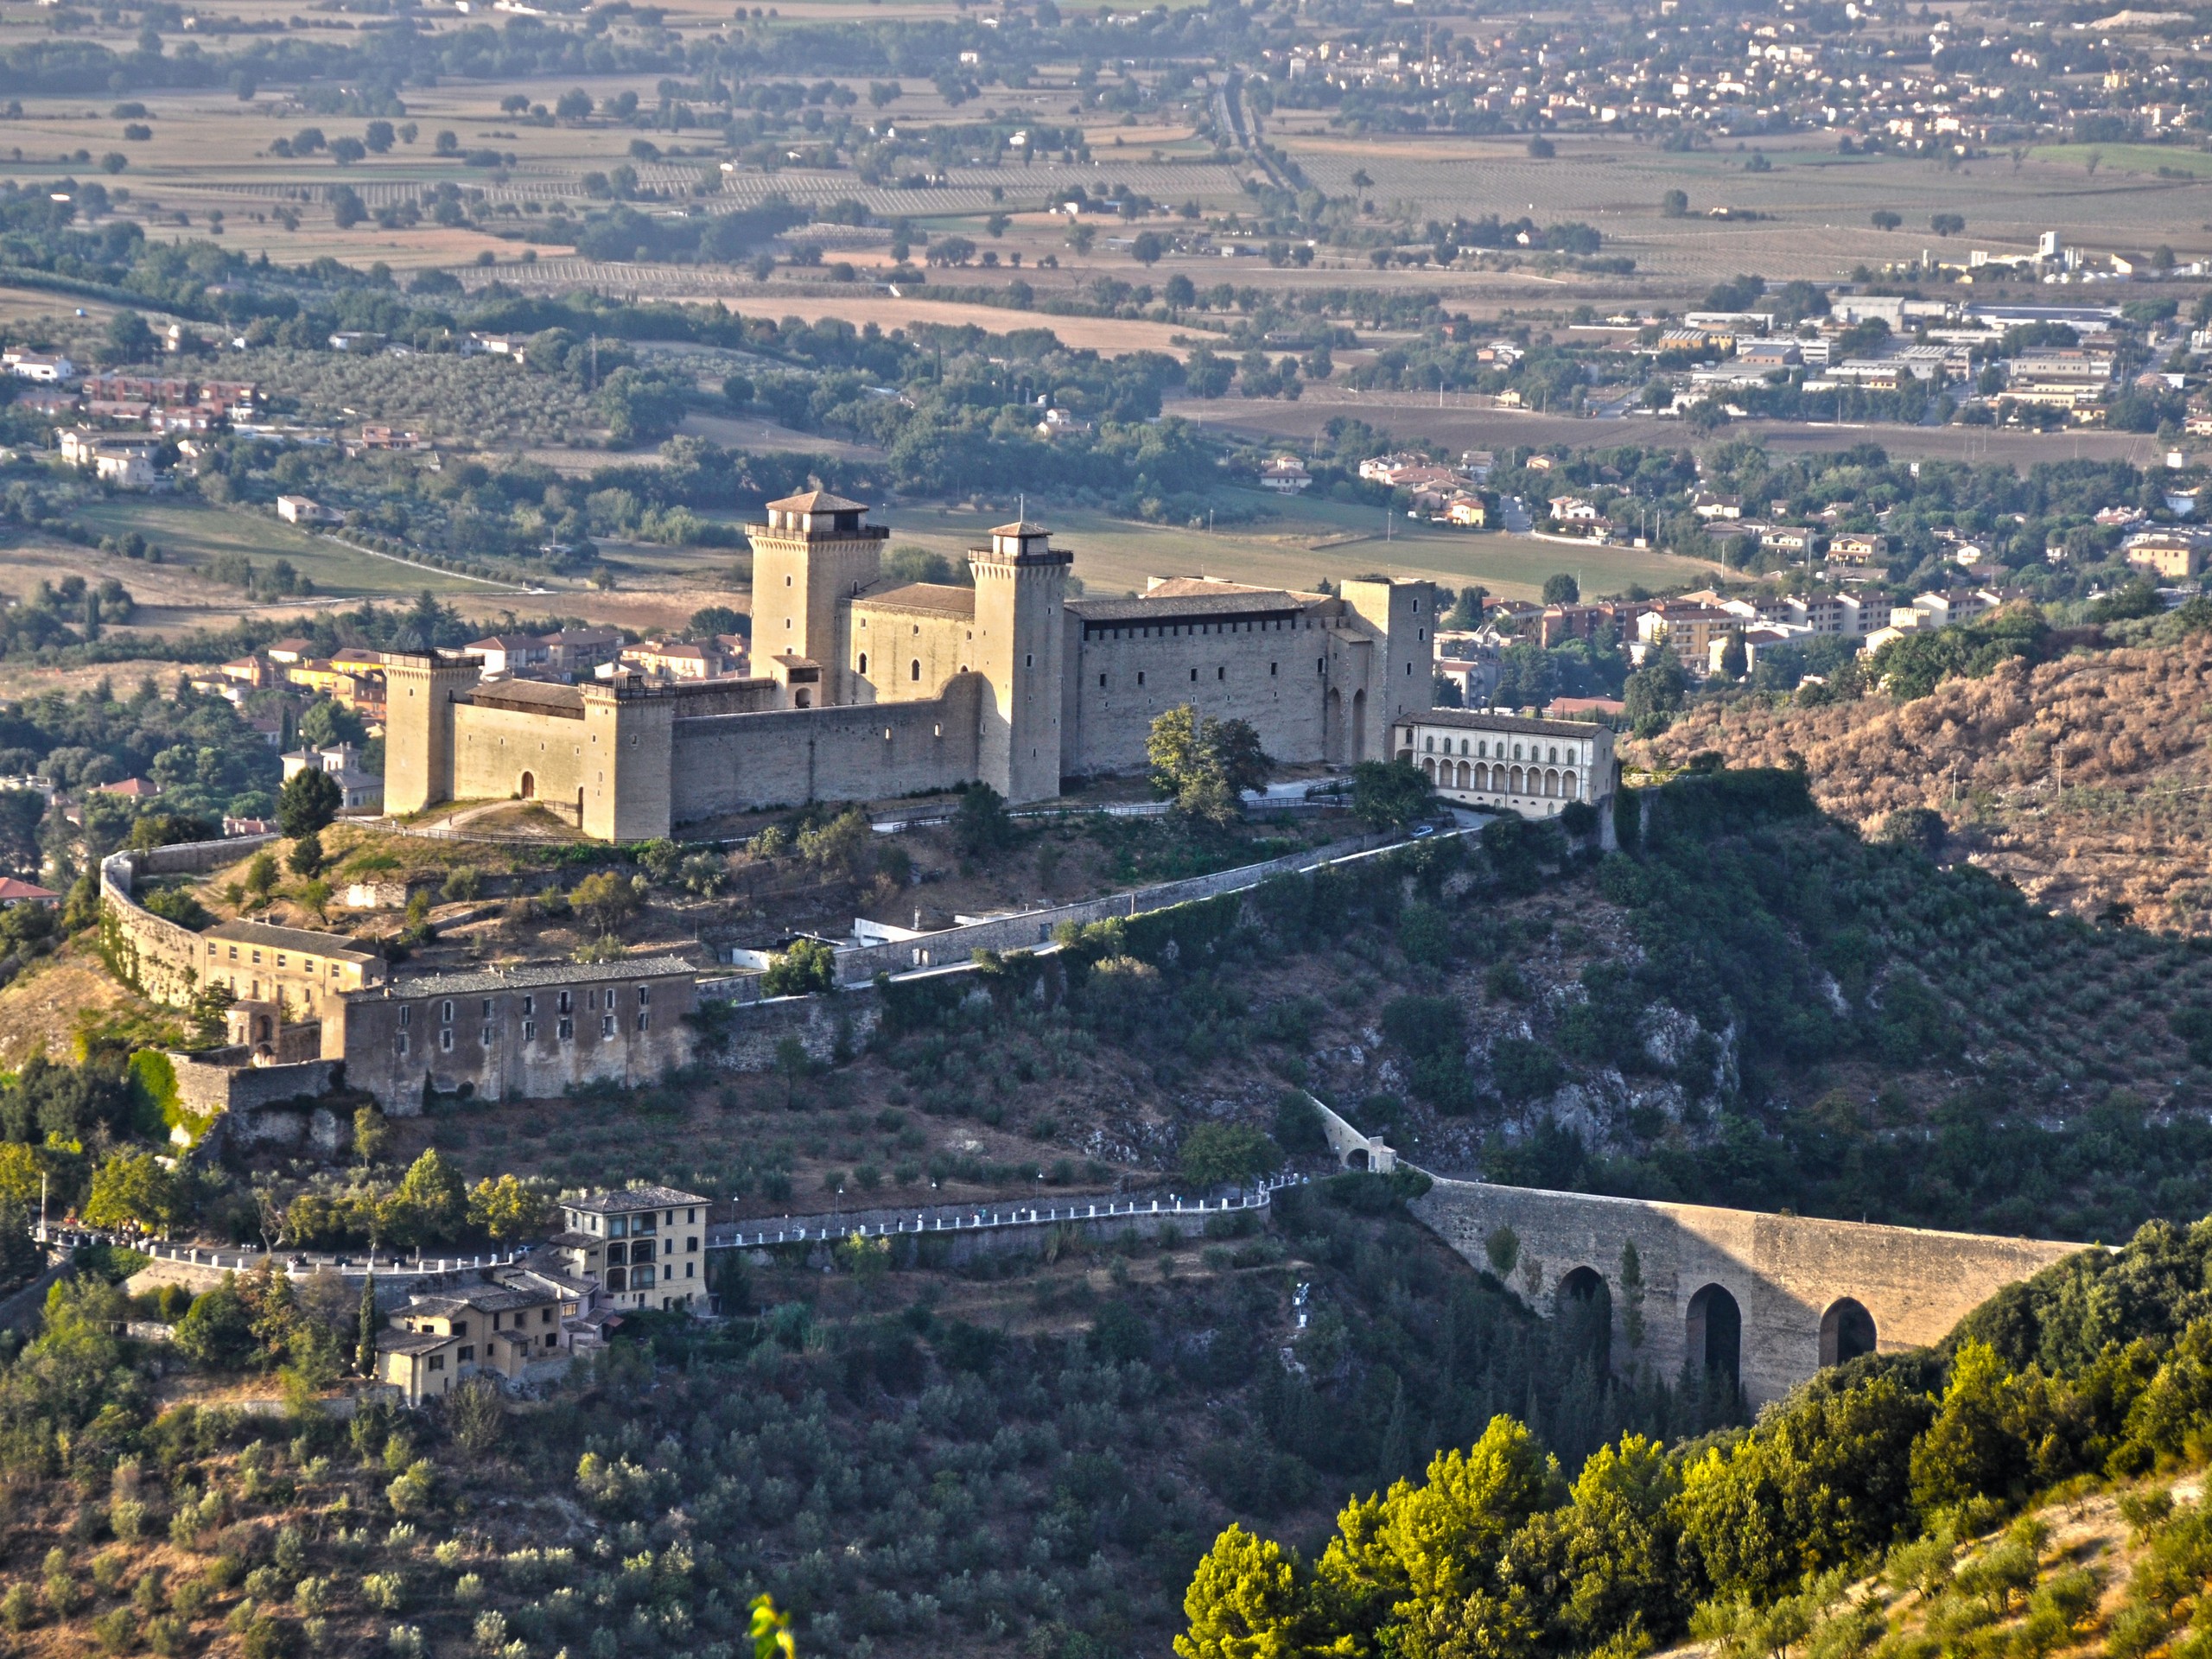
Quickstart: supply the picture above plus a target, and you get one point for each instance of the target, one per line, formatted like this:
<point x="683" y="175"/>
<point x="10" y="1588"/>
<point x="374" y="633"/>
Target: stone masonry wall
<point x="493" y="747"/>
<point x="732" y="763"/>
<point x="752" y="1029"/>
<point x="207" y="1089"/>
<point x="1784" y="1272"/>
<point x="1032" y="928"/>
<point x="1271" y="677"/>
<point x="159" y="956"/>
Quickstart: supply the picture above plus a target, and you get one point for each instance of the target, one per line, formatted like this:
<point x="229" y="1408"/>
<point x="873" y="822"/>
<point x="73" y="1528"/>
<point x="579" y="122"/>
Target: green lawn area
<point x="1113" y="555"/>
<point x="192" y="533"/>
<point x="2127" y="158"/>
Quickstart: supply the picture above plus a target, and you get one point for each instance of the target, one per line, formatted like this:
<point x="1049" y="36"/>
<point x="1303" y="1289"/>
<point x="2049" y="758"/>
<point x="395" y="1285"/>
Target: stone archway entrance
<point x="1847" y="1332"/>
<point x="1714" y="1333"/>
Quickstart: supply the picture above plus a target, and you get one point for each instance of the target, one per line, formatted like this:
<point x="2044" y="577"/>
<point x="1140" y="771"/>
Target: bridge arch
<point x="1792" y="1282"/>
<point x="1582" y="1302"/>
<point x="1713" y="1332"/>
<point x="1847" y="1332"/>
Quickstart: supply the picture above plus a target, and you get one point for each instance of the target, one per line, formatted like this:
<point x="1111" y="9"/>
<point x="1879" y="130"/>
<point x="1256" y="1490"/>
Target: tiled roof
<point x="1474" y="720"/>
<point x="819" y="501"/>
<point x="623" y="1200"/>
<point x="925" y="598"/>
<point x="294" y="938"/>
<point x="532" y="697"/>
<point x="528" y="975"/>
<point x="1166" y="610"/>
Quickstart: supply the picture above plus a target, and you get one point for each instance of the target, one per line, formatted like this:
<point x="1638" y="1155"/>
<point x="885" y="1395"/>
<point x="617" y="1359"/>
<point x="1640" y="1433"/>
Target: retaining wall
<point x="1032" y="928"/>
<point x="160" y="957"/>
<point x="754" y="1028"/>
<point x="956" y="1232"/>
<point x="207" y="1085"/>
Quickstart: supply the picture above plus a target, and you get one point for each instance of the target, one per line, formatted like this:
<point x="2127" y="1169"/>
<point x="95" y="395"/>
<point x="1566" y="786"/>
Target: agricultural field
<point x="1295" y="546"/>
<point x="466" y="402"/>
<point x="198" y="535"/>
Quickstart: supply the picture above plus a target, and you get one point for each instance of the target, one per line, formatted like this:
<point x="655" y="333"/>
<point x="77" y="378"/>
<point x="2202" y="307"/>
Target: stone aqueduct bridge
<point x="1772" y="1298"/>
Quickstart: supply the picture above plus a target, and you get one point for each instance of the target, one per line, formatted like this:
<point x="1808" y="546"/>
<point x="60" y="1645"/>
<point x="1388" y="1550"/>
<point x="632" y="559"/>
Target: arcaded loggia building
<point x="865" y="689"/>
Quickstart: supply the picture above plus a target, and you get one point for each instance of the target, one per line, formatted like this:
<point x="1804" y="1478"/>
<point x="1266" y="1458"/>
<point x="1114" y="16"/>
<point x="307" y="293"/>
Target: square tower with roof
<point x="809" y="560"/>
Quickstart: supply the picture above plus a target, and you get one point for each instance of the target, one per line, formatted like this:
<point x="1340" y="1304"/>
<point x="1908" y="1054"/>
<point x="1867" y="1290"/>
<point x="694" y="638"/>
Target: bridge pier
<point x="1770" y="1298"/>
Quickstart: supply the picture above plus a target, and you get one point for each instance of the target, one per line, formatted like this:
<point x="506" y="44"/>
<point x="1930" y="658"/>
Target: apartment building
<point x="641" y="1247"/>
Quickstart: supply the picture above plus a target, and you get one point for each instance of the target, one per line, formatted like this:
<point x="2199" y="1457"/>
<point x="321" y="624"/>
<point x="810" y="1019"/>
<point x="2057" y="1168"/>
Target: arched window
<point x="618" y="1278"/>
<point x="1551" y="781"/>
<point x="1516" y="780"/>
<point x="1715" y="1333"/>
<point x="1553" y="755"/>
<point x="1516" y="751"/>
<point x="914" y="672"/>
<point x="1429" y="744"/>
<point x="864" y="662"/>
<point x="1847" y="1332"/>
<point x="1463" y="746"/>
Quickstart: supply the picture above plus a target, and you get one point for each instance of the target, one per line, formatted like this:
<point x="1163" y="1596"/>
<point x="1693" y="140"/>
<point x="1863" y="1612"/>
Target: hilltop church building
<point x="865" y="690"/>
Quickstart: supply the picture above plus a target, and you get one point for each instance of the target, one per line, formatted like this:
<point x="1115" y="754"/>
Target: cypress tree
<point x="364" y="1357"/>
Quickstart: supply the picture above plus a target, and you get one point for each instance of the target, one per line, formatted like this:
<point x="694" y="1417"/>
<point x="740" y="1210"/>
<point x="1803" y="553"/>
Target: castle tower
<point x="628" y="784"/>
<point x="1021" y="636"/>
<point x="808" y="560"/>
<point x="420" y="689"/>
<point x="1399" y="613"/>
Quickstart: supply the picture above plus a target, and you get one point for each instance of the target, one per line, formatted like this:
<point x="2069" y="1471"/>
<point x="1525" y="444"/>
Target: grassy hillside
<point x="2081" y="1381"/>
<point x="1021" y="1456"/>
<point x="2084" y="780"/>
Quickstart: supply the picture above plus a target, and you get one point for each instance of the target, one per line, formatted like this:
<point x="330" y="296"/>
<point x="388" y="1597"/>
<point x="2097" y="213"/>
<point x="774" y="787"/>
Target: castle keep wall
<point x="906" y="655"/>
<point x="1121" y="676"/>
<point x="735" y="763"/>
<point x="493" y="747"/>
<point x="1786" y="1273"/>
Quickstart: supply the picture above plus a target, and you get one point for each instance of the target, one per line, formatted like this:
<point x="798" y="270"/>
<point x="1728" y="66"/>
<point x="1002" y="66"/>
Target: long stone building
<point x="318" y="1009"/>
<point x="868" y="689"/>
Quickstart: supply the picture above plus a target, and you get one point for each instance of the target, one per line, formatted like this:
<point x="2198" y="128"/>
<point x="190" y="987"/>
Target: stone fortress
<point x="862" y="689"/>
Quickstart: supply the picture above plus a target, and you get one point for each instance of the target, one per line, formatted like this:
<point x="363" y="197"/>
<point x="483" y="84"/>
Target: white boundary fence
<point x="945" y="1220"/>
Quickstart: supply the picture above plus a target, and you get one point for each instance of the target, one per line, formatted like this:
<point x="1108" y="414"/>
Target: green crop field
<point x="1305" y="541"/>
<point x="2127" y="158"/>
<point x="192" y="534"/>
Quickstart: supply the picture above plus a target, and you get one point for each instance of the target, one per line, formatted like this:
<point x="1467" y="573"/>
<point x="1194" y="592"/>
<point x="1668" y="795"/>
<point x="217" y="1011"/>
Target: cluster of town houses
<point x="523" y="1322"/>
<point x="1698" y="627"/>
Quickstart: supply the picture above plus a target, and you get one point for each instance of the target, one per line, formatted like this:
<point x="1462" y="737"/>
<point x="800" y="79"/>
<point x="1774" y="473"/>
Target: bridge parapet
<point x="1771" y="1297"/>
